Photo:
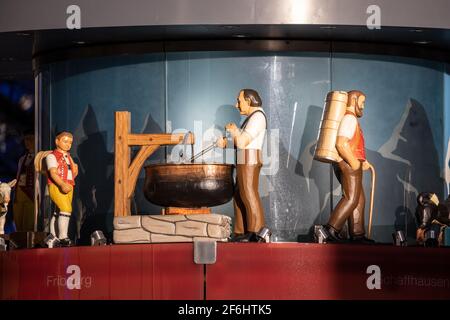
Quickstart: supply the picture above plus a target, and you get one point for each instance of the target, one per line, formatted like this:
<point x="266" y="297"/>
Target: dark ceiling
<point x="17" y="49"/>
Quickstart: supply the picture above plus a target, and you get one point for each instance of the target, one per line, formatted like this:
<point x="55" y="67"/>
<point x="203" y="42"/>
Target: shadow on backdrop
<point x="139" y="204"/>
<point x="96" y="180"/>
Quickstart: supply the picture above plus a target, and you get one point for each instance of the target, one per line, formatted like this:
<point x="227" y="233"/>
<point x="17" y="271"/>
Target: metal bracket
<point x="205" y="252"/>
<point x="3" y="246"/>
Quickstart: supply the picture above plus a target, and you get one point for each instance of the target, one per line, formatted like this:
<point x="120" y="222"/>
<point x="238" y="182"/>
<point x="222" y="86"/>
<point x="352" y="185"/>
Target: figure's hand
<point x="355" y="165"/>
<point x="66" y="188"/>
<point x="231" y="128"/>
<point x="420" y="235"/>
<point x="221" y="142"/>
<point x="366" y="165"/>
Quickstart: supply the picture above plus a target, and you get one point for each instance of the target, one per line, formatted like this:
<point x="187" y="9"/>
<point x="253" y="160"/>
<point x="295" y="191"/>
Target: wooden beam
<point x="159" y="139"/>
<point x="121" y="163"/>
<point x="136" y="166"/>
<point x="125" y="175"/>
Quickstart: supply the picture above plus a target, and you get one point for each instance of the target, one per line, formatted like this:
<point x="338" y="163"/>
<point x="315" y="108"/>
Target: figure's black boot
<point x="247" y="237"/>
<point x="66" y="242"/>
<point x="51" y="242"/>
<point x="253" y="237"/>
<point x="333" y="235"/>
<point x="236" y="237"/>
<point x="242" y="237"/>
<point x="361" y="240"/>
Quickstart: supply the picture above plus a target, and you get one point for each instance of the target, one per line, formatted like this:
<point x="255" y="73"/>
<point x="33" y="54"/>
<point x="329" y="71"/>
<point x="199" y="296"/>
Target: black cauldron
<point x="192" y="185"/>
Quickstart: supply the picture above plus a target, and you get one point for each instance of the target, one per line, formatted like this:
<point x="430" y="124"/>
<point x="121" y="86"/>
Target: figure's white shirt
<point x="52" y="163"/>
<point x="347" y="127"/>
<point x="256" y="128"/>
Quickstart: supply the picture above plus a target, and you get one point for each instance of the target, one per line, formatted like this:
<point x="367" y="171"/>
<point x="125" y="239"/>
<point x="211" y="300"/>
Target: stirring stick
<point x="203" y="152"/>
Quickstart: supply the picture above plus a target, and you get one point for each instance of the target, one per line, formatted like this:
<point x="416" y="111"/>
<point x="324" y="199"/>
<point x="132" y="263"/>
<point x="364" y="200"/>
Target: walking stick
<point x="372" y="196"/>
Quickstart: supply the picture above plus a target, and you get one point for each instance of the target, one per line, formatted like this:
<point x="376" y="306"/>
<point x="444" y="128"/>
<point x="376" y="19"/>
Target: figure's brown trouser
<point x="248" y="210"/>
<point x="351" y="205"/>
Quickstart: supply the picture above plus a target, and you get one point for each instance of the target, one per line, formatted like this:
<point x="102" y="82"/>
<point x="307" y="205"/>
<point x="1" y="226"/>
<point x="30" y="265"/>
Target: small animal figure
<point x="5" y="197"/>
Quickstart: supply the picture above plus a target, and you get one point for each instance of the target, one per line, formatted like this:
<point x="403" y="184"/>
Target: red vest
<point x="63" y="168"/>
<point x="357" y="142"/>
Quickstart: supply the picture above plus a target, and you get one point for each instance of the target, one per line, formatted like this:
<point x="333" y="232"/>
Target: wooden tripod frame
<point x="126" y="172"/>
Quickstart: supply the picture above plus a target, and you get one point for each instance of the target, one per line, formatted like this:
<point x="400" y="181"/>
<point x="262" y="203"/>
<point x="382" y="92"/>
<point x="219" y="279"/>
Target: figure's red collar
<point x="60" y="152"/>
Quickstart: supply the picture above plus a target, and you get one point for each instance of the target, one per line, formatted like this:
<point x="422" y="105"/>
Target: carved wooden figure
<point x="24" y="217"/>
<point x="341" y="142"/>
<point x="248" y="140"/>
<point x="5" y="197"/>
<point x="61" y="174"/>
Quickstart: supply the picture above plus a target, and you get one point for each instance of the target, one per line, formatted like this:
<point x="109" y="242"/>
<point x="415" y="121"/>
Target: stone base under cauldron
<point x="171" y="228"/>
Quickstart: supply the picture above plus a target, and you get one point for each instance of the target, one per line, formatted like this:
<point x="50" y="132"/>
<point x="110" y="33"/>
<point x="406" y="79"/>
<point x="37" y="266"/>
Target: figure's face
<point x="28" y="141"/>
<point x="359" y="108"/>
<point x="64" y="143"/>
<point x="5" y="195"/>
<point x="242" y="104"/>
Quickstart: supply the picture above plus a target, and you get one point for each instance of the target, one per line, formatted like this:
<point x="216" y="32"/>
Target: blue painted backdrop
<point x="407" y="103"/>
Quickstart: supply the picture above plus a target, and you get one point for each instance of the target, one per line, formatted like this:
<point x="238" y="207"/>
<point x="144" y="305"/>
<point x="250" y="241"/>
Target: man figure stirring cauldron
<point x="248" y="140"/>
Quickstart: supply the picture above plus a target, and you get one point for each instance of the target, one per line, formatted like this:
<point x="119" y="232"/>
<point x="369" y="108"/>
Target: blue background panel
<point x="406" y="135"/>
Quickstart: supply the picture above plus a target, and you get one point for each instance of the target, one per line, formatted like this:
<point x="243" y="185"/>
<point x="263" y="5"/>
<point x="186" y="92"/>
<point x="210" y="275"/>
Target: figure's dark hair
<point x="252" y="96"/>
<point x="354" y="94"/>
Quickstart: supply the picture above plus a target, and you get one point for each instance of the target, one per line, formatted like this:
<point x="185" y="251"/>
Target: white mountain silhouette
<point x="446" y="171"/>
<point x="407" y="186"/>
<point x="387" y="149"/>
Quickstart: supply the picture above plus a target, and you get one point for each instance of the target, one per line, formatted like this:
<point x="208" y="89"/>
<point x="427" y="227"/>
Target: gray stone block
<point x="169" y="218"/>
<point x="158" y="238"/>
<point x="191" y="229"/>
<point x="131" y="236"/>
<point x="210" y="218"/>
<point x="158" y="226"/>
<point x="171" y="228"/>
<point x="123" y="223"/>
<point x="216" y="231"/>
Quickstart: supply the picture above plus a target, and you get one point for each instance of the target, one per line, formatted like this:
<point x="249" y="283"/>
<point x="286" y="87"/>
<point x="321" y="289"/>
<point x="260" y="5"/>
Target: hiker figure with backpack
<point x="341" y="142"/>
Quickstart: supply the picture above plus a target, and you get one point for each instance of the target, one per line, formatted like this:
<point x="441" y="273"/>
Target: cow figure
<point x="5" y="197"/>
